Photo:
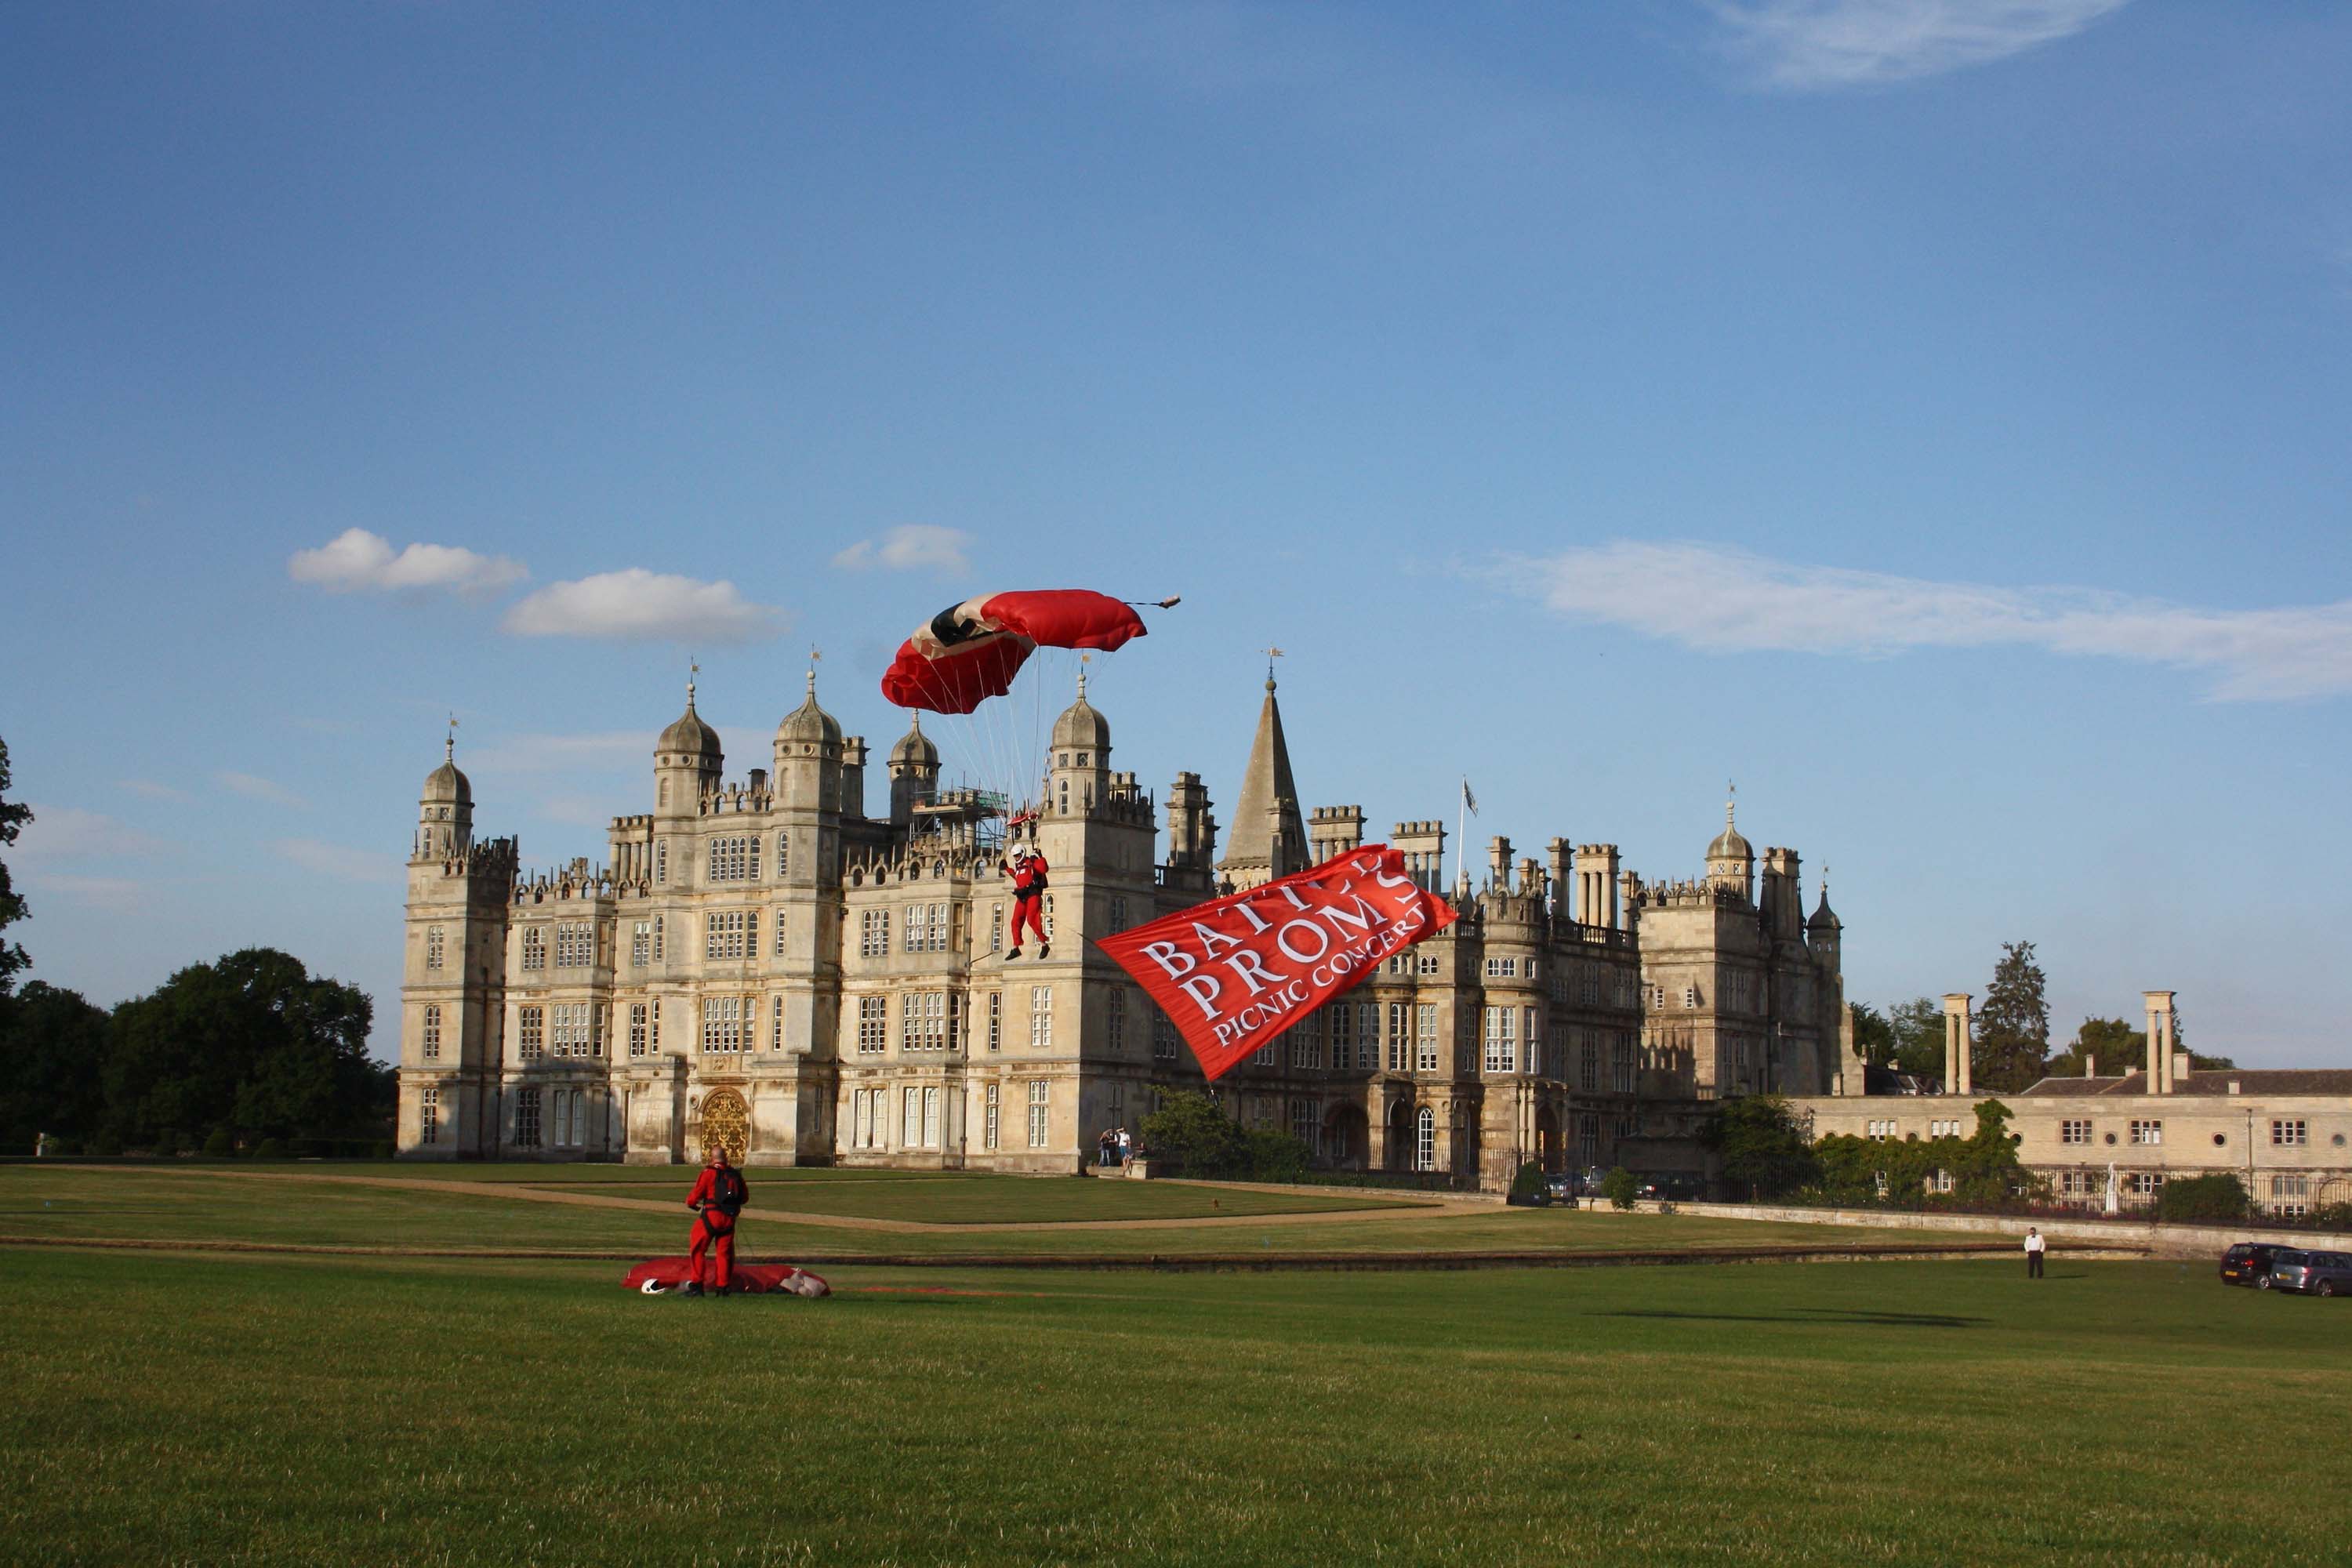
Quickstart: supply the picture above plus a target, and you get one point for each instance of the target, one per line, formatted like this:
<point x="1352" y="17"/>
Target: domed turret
<point x="1081" y="729"/>
<point x="444" y="810"/>
<point x="1730" y="859"/>
<point x="808" y="725"/>
<point x="1824" y="918"/>
<point x="914" y="748"/>
<point x="689" y="736"/>
<point x="687" y="760"/>
<point x="914" y="769"/>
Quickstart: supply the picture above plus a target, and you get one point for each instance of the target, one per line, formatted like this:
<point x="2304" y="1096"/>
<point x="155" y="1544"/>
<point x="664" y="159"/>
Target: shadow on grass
<point x="1817" y="1316"/>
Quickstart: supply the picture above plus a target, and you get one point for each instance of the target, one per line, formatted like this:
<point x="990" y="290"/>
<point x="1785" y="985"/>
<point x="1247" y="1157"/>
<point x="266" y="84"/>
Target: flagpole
<point x="1462" y="830"/>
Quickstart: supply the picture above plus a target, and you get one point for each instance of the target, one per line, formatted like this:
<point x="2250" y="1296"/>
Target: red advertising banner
<point x="1235" y="971"/>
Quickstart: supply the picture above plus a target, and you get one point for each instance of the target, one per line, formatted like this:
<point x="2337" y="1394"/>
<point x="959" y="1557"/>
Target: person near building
<point x="2033" y="1250"/>
<point x="1027" y="870"/>
<point x="719" y="1194"/>
<point x="1125" y="1146"/>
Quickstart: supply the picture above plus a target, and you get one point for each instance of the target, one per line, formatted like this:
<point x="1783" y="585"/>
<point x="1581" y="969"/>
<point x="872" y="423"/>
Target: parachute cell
<point x="970" y="652"/>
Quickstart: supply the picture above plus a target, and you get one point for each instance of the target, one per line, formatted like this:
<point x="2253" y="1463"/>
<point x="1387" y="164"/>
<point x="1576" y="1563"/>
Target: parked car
<point x="2249" y="1262"/>
<point x="1562" y="1185"/>
<point x="2309" y="1273"/>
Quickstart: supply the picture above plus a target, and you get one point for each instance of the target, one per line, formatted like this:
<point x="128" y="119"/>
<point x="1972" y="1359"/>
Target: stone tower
<point x="1268" y="838"/>
<point x="450" y="1035"/>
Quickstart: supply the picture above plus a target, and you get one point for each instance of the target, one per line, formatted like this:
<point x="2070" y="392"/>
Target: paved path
<point x="1420" y="1205"/>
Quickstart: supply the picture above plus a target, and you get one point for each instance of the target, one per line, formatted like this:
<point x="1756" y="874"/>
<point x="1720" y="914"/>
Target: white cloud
<point x="912" y="547"/>
<point x="644" y="606"/>
<point x="69" y="833"/>
<point x="344" y="865"/>
<point x="356" y="559"/>
<point x="1723" y="600"/>
<point x="254" y="786"/>
<point x="155" y="790"/>
<point x="1807" y="44"/>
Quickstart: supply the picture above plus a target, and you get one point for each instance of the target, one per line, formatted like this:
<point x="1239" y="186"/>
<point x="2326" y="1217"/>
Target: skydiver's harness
<point x="727" y="1202"/>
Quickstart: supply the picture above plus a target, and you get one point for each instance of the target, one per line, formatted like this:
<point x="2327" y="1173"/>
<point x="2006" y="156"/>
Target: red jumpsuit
<point x="717" y="1193"/>
<point x="1028" y="898"/>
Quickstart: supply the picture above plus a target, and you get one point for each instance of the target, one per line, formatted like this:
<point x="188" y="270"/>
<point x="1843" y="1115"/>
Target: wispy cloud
<point x="69" y="833"/>
<point x="345" y="865"/>
<point x="638" y="605"/>
<point x="255" y="787"/>
<point x="911" y="547"/>
<point x="1723" y="600"/>
<point x="1803" y="45"/>
<point x="117" y="895"/>
<point x="155" y="790"/>
<point x="355" y="560"/>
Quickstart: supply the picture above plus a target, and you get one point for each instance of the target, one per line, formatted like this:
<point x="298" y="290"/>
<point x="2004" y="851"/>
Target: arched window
<point x="661" y="861"/>
<point x="1425" y="1140"/>
<point x="783" y="842"/>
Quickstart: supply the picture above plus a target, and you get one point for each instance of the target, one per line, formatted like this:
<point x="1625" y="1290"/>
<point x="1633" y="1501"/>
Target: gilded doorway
<point x="726" y="1124"/>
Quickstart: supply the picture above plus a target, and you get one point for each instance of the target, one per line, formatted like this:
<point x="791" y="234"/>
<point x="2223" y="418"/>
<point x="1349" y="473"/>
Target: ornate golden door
<point x="726" y="1124"/>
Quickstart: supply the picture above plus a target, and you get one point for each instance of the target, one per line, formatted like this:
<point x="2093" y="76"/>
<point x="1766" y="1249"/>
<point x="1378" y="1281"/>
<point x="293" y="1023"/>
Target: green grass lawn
<point x="170" y="1408"/>
<point x="170" y="1203"/>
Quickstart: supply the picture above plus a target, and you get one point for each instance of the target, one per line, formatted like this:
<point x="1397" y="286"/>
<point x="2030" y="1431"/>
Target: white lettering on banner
<point x="1165" y="954"/>
<point x="1322" y="941"/>
<point x="1252" y="971"/>
<point x="1247" y="910"/>
<point x="1209" y="938"/>
<point x="1204" y="989"/>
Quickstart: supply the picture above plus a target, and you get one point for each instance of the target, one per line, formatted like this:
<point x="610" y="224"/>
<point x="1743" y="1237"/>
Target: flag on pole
<point x="1469" y="801"/>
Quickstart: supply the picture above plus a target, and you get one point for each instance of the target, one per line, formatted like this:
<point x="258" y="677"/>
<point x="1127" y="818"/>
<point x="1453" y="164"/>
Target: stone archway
<point x="726" y="1124"/>
<point x="1548" y="1154"/>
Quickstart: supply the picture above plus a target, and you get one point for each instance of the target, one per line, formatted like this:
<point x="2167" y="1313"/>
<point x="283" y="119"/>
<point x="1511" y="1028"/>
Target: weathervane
<point x="1271" y="655"/>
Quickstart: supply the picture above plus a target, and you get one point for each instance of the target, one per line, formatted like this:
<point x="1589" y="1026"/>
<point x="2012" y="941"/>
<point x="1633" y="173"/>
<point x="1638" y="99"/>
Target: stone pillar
<point x="1956" y="1050"/>
<point x="2159" y="1041"/>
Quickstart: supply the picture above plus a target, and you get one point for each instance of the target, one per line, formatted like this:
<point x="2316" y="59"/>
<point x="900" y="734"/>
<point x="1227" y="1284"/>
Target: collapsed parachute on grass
<point x="970" y="652"/>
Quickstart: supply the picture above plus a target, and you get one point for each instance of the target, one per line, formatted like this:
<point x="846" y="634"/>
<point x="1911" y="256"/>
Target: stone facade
<point x="764" y="964"/>
<point x="2286" y="1133"/>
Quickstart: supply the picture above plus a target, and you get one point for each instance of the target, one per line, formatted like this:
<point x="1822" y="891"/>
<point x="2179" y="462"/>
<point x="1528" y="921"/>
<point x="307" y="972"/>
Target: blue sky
<point x="1929" y="414"/>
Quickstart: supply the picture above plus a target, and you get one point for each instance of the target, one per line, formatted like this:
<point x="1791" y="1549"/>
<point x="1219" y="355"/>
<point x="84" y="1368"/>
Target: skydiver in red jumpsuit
<point x="1028" y="873"/>
<point x="719" y="1197"/>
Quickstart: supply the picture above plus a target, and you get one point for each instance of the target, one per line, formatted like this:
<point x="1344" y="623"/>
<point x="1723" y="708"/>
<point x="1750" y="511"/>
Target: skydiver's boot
<point x="1012" y="955"/>
<point x="1044" y="950"/>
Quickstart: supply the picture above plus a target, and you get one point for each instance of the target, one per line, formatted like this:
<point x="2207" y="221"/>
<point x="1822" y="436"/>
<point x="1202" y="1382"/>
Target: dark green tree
<point x="251" y="1041"/>
<point x="53" y="1045"/>
<point x="2218" y="1197"/>
<point x="1763" y="1148"/>
<point x="14" y="814"/>
<point x="2013" y="1028"/>
<point x="2112" y="1043"/>
<point x="1873" y="1036"/>
<point x="1194" y="1131"/>
<point x="1620" y="1187"/>
<point x="1918" y="1029"/>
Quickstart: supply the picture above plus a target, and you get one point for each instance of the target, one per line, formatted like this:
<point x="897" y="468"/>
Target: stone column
<point x="2159" y="1041"/>
<point x="1956" y="1050"/>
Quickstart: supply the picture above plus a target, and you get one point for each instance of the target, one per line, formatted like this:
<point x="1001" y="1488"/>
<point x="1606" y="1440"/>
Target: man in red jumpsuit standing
<point x="1028" y="874"/>
<point x="719" y="1197"/>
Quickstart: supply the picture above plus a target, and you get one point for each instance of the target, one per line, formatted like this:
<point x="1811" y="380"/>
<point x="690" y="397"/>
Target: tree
<point x="13" y="817"/>
<point x="1620" y="1187"/>
<point x="1918" y="1029"/>
<point x="1761" y="1145"/>
<point x="1982" y="1168"/>
<point x="251" y="1041"/>
<point x="1193" y="1129"/>
<point x="1872" y="1036"/>
<point x="2217" y="1196"/>
<point x="2013" y="1028"/>
<point x="2111" y="1043"/>
<point x="52" y="1045"/>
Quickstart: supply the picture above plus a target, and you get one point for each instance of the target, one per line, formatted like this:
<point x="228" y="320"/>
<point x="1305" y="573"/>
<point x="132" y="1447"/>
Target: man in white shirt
<point x="2033" y="1250"/>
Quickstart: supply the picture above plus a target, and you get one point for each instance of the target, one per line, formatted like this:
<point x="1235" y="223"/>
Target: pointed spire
<point x="693" y="668"/>
<point x="1265" y="814"/>
<point x="449" y="742"/>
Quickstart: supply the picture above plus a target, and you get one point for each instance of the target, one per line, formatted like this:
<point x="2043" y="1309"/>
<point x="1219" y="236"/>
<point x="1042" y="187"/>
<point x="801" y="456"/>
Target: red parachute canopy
<point x="970" y="652"/>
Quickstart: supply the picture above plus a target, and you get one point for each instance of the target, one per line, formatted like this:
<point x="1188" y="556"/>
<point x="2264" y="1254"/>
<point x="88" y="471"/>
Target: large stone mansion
<point x="764" y="965"/>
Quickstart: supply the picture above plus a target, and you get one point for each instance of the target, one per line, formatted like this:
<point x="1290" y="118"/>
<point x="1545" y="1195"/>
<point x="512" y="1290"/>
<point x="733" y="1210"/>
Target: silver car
<point x="2309" y="1273"/>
